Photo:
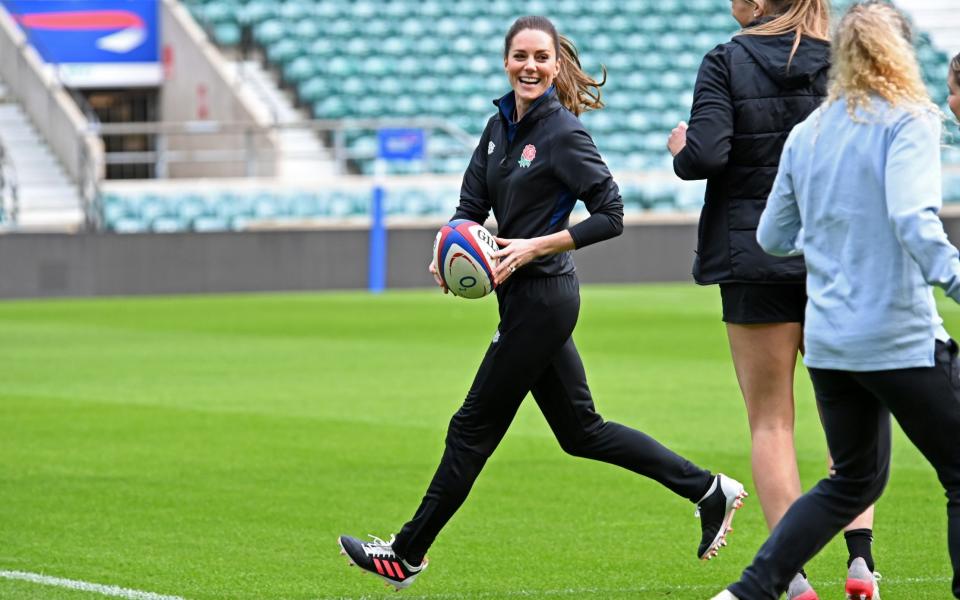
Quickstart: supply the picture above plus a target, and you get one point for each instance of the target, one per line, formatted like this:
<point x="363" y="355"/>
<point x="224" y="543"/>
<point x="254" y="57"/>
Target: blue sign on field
<point x="90" y="31"/>
<point x="401" y="144"/>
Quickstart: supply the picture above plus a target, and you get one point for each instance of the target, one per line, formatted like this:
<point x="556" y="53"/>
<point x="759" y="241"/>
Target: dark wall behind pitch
<point x="50" y="265"/>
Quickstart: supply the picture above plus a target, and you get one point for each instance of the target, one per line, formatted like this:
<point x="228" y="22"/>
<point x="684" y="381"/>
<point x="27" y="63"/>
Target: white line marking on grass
<point x="106" y="590"/>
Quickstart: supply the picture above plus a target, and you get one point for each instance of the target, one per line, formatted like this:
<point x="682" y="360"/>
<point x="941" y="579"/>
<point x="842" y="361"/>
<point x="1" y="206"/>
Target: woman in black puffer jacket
<point x="750" y="93"/>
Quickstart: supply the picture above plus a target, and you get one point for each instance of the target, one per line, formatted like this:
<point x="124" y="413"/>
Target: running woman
<point x="858" y="193"/>
<point x="750" y="92"/>
<point x="534" y="160"/>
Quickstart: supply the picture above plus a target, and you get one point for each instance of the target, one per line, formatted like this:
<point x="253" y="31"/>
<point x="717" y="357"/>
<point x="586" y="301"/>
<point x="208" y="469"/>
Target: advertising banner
<point x="94" y="43"/>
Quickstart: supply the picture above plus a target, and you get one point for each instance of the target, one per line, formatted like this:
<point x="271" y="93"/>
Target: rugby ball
<point x="463" y="256"/>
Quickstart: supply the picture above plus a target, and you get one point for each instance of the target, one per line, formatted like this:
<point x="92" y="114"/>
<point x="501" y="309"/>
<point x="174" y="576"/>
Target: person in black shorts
<point x="750" y="92"/>
<point x="534" y="160"/>
<point x="858" y="194"/>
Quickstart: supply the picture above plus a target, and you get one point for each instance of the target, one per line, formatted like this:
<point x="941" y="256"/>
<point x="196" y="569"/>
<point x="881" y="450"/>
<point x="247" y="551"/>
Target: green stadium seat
<point x="321" y="48"/>
<point x="313" y="90"/>
<point x="168" y="224"/>
<point x="226" y="34"/>
<point x="257" y="11"/>
<point x="129" y="225"/>
<point x="284" y="50"/>
<point x="339" y="66"/>
<point x="294" y="11"/>
<point x="305" y="206"/>
<point x="334" y="107"/>
<point x="218" y="12"/>
<point x="306" y="29"/>
<point x="299" y="69"/>
<point x="209" y="224"/>
<point x="269" y="32"/>
<point x="228" y="206"/>
<point x="267" y="206"/>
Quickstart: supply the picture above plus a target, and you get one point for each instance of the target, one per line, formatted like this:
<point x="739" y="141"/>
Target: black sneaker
<point x="377" y="557"/>
<point x="716" y="510"/>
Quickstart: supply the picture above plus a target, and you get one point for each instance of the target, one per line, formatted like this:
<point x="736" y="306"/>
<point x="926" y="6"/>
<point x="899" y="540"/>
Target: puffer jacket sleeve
<point x="710" y="129"/>
<point x="780" y="232"/>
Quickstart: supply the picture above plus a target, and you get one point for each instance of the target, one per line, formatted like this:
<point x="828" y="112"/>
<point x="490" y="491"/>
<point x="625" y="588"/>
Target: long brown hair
<point x="809" y="18"/>
<point x="576" y="90"/>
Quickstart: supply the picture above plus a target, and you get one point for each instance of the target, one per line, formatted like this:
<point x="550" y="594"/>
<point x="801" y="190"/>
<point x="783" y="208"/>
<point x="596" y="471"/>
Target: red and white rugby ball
<point x="463" y="256"/>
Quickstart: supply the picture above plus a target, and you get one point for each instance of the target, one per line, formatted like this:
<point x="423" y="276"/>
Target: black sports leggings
<point x="856" y="409"/>
<point x="534" y="352"/>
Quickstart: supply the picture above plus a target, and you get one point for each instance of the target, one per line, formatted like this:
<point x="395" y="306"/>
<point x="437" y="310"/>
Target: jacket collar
<point x="541" y="107"/>
<point x="758" y="21"/>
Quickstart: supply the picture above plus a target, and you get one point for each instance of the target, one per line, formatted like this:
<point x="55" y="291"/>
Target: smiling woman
<point x="533" y="162"/>
<point x="536" y="37"/>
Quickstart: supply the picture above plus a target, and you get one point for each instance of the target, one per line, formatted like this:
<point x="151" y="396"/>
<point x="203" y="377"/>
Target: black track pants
<point x="534" y="352"/>
<point x="856" y="409"/>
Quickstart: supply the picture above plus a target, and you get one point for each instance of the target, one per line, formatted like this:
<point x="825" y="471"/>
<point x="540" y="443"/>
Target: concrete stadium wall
<point x="59" y="265"/>
<point x="52" y="265"/>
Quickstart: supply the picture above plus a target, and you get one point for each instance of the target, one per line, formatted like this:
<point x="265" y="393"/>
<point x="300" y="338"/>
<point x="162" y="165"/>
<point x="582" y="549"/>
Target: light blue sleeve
<point x="913" y="191"/>
<point x="780" y="232"/>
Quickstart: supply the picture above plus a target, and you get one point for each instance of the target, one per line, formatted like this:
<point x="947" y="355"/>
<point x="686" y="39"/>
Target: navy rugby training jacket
<point x="532" y="173"/>
<point x="745" y="103"/>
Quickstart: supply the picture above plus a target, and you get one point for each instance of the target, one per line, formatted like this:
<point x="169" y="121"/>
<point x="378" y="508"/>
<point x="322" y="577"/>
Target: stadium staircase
<point x="302" y="154"/>
<point x="48" y="199"/>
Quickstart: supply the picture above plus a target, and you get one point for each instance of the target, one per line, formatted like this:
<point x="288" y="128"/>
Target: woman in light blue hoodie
<point x="857" y="193"/>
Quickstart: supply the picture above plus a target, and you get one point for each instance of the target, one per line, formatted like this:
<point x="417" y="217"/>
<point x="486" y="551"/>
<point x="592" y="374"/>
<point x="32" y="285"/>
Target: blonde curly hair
<point x="873" y="55"/>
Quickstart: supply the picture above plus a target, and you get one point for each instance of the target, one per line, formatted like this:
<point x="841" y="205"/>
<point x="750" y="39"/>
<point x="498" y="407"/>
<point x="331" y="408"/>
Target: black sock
<point x="413" y="561"/>
<point x="804" y="573"/>
<point x="707" y="489"/>
<point x="859" y="542"/>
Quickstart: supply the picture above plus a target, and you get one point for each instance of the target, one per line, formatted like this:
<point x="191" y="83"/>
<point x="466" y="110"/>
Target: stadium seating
<point x="161" y="212"/>
<point x="410" y="57"/>
<point x="404" y="58"/>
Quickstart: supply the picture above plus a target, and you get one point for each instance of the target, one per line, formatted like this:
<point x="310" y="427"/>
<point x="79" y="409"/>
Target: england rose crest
<point x="529" y="153"/>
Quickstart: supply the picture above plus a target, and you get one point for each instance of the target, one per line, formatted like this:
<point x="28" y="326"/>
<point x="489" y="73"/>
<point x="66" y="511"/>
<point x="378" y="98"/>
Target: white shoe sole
<point x="735" y="495"/>
<point x="397" y="585"/>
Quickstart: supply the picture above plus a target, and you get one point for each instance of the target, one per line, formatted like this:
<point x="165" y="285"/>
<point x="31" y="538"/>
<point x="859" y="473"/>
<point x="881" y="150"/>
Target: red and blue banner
<point x="94" y="42"/>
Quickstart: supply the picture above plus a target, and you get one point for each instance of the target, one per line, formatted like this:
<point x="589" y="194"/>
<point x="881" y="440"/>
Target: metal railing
<point x="249" y="154"/>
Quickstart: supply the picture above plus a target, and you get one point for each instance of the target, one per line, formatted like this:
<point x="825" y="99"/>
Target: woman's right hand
<point x="678" y="138"/>
<point x="436" y="276"/>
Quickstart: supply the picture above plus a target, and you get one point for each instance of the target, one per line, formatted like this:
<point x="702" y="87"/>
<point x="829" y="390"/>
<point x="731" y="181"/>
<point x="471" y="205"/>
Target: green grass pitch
<point x="214" y="447"/>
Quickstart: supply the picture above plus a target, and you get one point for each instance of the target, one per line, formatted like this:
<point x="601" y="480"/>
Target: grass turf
<point x="213" y="447"/>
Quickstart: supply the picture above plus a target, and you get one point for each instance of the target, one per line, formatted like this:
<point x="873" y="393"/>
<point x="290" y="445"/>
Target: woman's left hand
<point x="513" y="255"/>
